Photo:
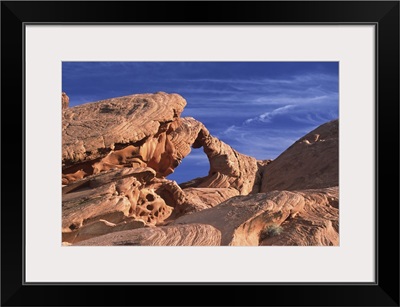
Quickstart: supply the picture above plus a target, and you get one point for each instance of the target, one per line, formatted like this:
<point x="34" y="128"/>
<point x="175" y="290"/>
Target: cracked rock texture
<point x="117" y="153"/>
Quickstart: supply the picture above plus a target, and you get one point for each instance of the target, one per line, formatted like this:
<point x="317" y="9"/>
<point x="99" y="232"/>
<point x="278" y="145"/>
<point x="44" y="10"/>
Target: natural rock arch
<point x="118" y="152"/>
<point x="127" y="146"/>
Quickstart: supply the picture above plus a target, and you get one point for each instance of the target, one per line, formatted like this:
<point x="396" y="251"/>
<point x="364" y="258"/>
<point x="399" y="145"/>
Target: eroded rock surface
<point x="116" y="156"/>
<point x="176" y="235"/>
<point x="91" y="131"/>
<point x="311" y="162"/>
<point x="308" y="217"/>
<point x="119" y="199"/>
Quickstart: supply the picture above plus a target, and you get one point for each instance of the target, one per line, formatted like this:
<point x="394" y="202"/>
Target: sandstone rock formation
<point x="116" y="198"/>
<point x="114" y="165"/>
<point x="64" y="100"/>
<point x="116" y="156"/>
<point x="137" y="123"/>
<point x="228" y="168"/>
<point x="242" y="219"/>
<point x="183" y="235"/>
<point x="307" y="217"/>
<point x="311" y="162"/>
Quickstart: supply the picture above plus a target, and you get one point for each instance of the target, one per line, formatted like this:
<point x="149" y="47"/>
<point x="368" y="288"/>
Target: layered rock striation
<point x="311" y="162"/>
<point x="117" y="154"/>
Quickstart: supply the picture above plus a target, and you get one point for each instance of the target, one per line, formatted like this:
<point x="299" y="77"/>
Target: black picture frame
<point x="383" y="14"/>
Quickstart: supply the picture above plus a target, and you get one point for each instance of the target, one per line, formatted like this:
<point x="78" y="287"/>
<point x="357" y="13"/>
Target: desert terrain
<point x="116" y="158"/>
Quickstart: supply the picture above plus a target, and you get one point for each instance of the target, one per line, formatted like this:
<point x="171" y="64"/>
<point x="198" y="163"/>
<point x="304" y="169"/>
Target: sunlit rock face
<point x="311" y="162"/>
<point x="117" y="153"/>
<point x="97" y="132"/>
<point x="308" y="217"/>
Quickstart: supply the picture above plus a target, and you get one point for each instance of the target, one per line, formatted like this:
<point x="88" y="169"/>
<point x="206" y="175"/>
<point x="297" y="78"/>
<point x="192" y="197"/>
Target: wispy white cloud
<point x="296" y="79"/>
<point x="237" y="81"/>
<point x="229" y="130"/>
<point x="260" y="136"/>
<point x="268" y="116"/>
<point x="299" y="98"/>
<point x="258" y="108"/>
<point x="261" y="145"/>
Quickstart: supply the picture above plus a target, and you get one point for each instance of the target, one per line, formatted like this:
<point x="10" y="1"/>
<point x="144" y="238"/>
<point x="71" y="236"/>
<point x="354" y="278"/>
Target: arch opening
<point x="194" y="165"/>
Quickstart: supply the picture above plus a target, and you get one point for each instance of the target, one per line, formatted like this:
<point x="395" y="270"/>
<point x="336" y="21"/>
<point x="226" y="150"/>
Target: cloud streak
<point x="268" y="116"/>
<point x="259" y="108"/>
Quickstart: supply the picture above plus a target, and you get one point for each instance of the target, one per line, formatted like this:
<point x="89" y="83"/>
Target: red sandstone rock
<point x="93" y="130"/>
<point x="64" y="100"/>
<point x="311" y="162"/>
<point x="182" y="235"/>
<point x="117" y="152"/>
<point x="308" y="217"/>
<point x="118" y="197"/>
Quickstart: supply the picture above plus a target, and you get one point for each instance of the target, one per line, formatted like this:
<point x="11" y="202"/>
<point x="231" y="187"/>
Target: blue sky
<point x="259" y="108"/>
